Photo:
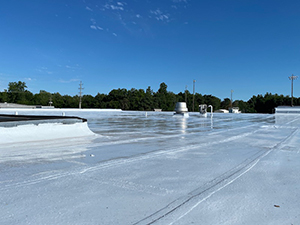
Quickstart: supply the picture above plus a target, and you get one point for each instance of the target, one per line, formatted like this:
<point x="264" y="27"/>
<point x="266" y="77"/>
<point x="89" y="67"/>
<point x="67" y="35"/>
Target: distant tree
<point x="26" y="98"/>
<point x="266" y="103"/>
<point x="161" y="97"/>
<point x="296" y="101"/>
<point x="269" y="103"/>
<point x="260" y="104"/>
<point x="180" y="97"/>
<point x="57" y="100"/>
<point x="162" y="89"/>
<point x="3" y="96"/>
<point x="134" y="99"/>
<point x="100" y="100"/>
<point x="139" y="99"/>
<point x="70" y="102"/>
<point x="88" y="101"/>
<point x="16" y="92"/>
<point x="243" y="106"/>
<point x="226" y="103"/>
<point x="148" y="100"/>
<point x="252" y="102"/>
<point x="199" y="99"/>
<point x="189" y="100"/>
<point x="42" y="98"/>
<point x="171" y="101"/>
<point x="16" y="87"/>
<point x="118" y="99"/>
<point x="212" y="100"/>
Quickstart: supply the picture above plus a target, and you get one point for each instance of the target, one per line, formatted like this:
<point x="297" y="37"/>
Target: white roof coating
<point x="288" y="109"/>
<point x="154" y="168"/>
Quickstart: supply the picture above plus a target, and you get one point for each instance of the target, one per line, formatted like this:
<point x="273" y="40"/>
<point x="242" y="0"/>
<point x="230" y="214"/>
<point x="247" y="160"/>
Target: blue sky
<point x="249" y="46"/>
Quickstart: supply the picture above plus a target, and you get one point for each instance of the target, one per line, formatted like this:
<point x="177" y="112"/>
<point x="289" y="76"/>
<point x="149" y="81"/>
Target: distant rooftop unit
<point x="16" y="106"/>
<point x="287" y="109"/>
<point x="6" y="105"/>
<point x="222" y="111"/>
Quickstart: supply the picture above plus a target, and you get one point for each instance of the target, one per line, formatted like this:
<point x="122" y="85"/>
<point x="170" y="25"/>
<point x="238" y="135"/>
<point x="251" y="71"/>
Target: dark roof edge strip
<point x="8" y="118"/>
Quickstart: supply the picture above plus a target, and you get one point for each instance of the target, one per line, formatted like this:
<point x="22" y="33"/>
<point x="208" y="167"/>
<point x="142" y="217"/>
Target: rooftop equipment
<point x="203" y="110"/>
<point x="181" y="109"/>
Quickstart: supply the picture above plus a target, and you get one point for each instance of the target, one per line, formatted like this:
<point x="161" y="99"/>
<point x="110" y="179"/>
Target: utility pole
<point x="80" y="93"/>
<point x="194" y="81"/>
<point x="292" y="78"/>
<point x="50" y="101"/>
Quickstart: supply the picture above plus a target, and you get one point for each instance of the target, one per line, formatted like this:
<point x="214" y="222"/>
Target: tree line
<point x="142" y="100"/>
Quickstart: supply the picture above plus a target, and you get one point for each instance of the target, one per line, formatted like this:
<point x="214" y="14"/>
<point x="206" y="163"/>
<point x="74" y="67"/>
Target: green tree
<point x="57" y="100"/>
<point x="161" y="97"/>
<point x="70" y="102"/>
<point x="100" y="100"/>
<point x="137" y="99"/>
<point x="3" y="96"/>
<point x="88" y="101"/>
<point x="252" y="102"/>
<point x="16" y="87"/>
<point x="148" y="99"/>
<point x="42" y="98"/>
<point x="118" y="99"/>
<point x="260" y="104"/>
<point x="16" y="92"/>
<point x="243" y="106"/>
<point x="226" y="103"/>
<point x="212" y="100"/>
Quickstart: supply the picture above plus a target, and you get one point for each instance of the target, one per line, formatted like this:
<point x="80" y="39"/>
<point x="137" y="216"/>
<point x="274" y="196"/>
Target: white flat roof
<point x="288" y="109"/>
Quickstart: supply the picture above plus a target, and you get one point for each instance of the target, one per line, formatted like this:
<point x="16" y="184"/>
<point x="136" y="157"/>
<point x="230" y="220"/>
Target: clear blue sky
<point x="249" y="46"/>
